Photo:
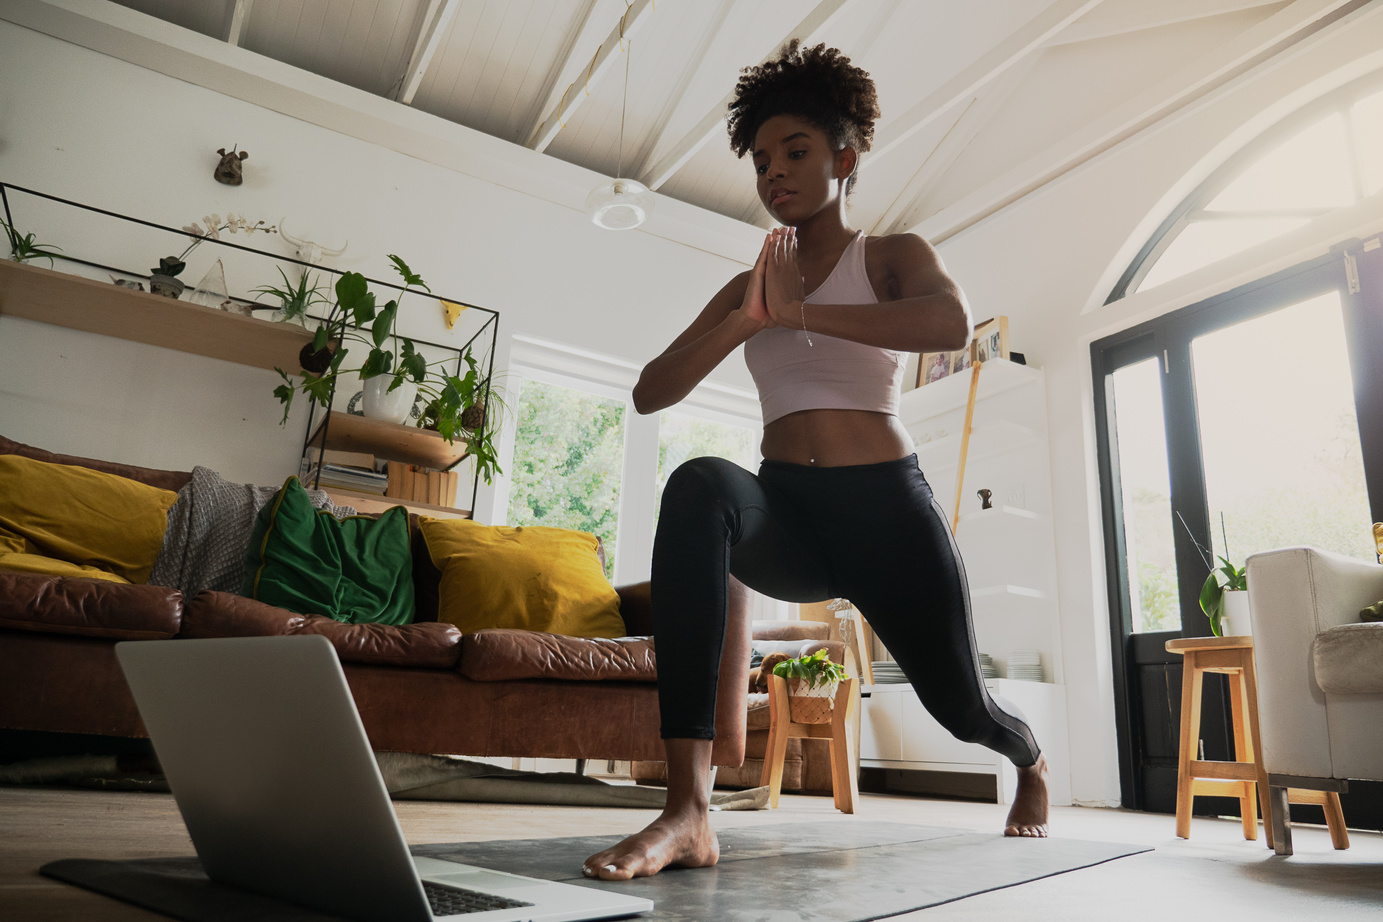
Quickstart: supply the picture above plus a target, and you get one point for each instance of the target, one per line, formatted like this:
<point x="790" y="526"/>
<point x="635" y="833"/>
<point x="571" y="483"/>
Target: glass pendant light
<point x="620" y="204"/>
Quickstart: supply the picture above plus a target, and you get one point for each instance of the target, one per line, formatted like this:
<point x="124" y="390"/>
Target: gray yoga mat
<point x="827" y="872"/>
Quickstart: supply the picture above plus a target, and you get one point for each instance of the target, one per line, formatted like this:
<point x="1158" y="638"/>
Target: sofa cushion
<point x="359" y="570"/>
<point x="499" y="654"/>
<point x="164" y="480"/>
<point x="423" y="646"/>
<point x="88" y="607"/>
<point x="1349" y="659"/>
<point x="73" y="521"/>
<point x="529" y="578"/>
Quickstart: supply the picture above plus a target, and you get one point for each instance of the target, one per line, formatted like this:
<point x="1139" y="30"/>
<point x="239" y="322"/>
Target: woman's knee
<point x="700" y="480"/>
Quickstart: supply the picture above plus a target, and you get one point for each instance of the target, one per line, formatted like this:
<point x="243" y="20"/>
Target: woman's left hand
<point x="783" y="279"/>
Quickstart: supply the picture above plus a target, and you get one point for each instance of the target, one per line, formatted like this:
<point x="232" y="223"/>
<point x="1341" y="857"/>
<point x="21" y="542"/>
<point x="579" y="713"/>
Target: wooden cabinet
<point x="1010" y="560"/>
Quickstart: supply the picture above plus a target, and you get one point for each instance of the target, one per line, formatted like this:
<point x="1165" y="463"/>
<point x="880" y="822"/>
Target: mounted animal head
<point x="308" y="251"/>
<point x="228" y="170"/>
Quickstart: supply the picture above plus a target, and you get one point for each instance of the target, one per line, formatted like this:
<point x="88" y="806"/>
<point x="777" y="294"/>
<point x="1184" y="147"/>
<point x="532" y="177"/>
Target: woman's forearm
<point x="930" y="323"/>
<point x="673" y="375"/>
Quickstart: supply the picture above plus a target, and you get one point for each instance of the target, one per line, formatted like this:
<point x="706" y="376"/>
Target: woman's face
<point x="797" y="172"/>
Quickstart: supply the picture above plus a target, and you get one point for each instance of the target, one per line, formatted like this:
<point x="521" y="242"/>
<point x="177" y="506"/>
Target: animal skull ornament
<point x="308" y="251"/>
<point x="228" y="170"/>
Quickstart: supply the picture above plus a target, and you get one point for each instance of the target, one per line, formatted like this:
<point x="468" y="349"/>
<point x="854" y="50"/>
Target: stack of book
<point x="420" y="484"/>
<point x="347" y="470"/>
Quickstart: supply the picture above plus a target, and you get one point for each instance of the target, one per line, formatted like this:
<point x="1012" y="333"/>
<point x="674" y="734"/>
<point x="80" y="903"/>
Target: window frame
<point x="1193" y="205"/>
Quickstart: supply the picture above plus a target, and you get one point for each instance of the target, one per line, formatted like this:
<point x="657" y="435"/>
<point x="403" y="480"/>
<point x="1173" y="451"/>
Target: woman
<point x="827" y="317"/>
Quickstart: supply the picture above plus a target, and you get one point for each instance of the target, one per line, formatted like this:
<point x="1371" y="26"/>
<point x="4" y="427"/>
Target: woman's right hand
<point x="754" y="307"/>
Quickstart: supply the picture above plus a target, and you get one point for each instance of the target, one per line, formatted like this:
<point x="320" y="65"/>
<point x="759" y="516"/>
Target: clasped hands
<point x="775" y="293"/>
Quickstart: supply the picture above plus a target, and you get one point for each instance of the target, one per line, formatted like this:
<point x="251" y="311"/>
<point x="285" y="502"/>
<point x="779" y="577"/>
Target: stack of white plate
<point x="1025" y="665"/>
<point x="987" y="667"/>
<point x="887" y="672"/>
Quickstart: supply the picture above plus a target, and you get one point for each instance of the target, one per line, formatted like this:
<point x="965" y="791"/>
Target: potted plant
<point x="1225" y="600"/>
<point x="164" y="280"/>
<point x="295" y="300"/>
<point x="812" y="683"/>
<point x="456" y="406"/>
<point x="23" y="248"/>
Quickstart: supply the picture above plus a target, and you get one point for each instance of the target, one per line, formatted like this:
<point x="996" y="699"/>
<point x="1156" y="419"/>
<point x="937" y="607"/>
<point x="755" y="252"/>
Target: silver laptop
<point x="268" y="761"/>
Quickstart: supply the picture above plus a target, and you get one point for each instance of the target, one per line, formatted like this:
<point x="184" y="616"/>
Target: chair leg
<point x="844" y="786"/>
<point x="1190" y="734"/>
<point x="1243" y="752"/>
<point x="776" y="749"/>
<point x="1335" y="819"/>
<point x="1282" y="821"/>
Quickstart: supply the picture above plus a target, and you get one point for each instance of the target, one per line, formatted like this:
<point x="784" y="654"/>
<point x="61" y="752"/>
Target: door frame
<point x="1168" y="338"/>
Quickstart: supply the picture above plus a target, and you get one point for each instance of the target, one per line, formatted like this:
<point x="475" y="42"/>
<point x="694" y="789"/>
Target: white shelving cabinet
<point x="1010" y="562"/>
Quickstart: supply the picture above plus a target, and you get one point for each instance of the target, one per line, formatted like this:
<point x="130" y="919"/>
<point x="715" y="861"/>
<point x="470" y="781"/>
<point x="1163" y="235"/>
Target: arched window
<point x="1325" y="156"/>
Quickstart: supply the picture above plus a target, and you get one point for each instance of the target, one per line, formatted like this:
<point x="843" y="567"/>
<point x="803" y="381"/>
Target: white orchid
<point x="214" y="225"/>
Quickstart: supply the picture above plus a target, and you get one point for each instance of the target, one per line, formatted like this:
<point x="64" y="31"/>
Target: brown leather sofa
<point x="421" y="687"/>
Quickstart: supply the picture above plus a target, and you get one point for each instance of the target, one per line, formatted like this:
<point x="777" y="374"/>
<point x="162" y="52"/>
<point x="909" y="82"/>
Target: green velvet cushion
<point x="1373" y="612"/>
<point x="306" y="560"/>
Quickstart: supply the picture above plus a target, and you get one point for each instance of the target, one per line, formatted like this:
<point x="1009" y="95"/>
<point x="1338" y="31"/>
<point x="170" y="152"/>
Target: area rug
<point x="827" y="872"/>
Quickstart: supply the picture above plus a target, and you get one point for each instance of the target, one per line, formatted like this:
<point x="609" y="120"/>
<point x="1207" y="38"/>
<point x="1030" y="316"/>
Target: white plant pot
<point x="393" y="406"/>
<point x="1234" y="617"/>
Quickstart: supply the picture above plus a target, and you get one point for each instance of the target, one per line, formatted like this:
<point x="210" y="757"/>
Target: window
<point x="568" y="458"/>
<point x="1328" y="156"/>
<point x="682" y="436"/>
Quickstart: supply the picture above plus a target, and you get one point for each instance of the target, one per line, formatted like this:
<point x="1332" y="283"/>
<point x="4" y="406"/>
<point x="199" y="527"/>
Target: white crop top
<point x="832" y="373"/>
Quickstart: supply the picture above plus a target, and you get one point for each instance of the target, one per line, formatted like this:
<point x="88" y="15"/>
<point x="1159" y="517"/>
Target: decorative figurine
<point x="984" y="499"/>
<point x="228" y="170"/>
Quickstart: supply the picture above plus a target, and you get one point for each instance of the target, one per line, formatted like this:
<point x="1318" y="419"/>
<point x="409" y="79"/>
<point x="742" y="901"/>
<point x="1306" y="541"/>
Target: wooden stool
<point x="1233" y="656"/>
<point x="781" y="728"/>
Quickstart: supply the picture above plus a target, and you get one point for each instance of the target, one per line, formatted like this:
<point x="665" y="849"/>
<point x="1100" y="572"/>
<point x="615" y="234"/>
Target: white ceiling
<point x="983" y="100"/>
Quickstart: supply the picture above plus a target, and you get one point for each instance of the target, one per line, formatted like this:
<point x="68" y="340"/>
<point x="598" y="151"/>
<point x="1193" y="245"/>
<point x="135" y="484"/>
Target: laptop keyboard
<point x="453" y="901"/>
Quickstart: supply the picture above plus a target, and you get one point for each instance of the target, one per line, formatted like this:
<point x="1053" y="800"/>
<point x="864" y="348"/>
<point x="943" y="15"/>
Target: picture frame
<point x="990" y="342"/>
<point x="991" y="339"/>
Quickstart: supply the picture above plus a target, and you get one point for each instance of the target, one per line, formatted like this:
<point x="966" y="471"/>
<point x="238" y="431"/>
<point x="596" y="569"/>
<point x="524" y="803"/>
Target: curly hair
<point x="818" y="84"/>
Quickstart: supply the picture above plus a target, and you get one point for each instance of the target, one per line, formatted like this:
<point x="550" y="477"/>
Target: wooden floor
<point x="1215" y="874"/>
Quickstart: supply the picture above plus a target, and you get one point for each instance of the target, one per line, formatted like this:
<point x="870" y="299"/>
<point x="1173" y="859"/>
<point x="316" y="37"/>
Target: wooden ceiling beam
<point x="684" y="83"/>
<point x="713" y="121"/>
<point x="977" y="114"/>
<point x="965" y="85"/>
<point x="239" y="16"/>
<point x="600" y="64"/>
<point x="432" y="25"/>
<point x="1117" y="19"/>
<point x="1294" y="26"/>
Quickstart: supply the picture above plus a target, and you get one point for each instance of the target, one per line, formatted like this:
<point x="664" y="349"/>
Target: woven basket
<point x="810" y="705"/>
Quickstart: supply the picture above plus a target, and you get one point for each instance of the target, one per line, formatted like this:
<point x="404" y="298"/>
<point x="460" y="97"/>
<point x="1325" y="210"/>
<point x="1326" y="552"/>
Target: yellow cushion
<point x="531" y="578"/>
<point x="73" y="521"/>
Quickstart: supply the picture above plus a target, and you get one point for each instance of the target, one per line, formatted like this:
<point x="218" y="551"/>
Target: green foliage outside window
<point x="568" y="458"/>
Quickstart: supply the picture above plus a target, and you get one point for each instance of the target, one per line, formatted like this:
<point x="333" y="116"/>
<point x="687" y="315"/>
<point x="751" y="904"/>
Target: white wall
<point x="94" y="129"/>
<point x="1050" y="260"/>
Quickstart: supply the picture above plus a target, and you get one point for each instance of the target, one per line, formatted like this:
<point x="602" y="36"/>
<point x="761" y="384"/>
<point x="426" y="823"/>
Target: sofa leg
<point x="1282" y="820"/>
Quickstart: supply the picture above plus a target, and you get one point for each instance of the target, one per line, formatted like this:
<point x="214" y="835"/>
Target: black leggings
<point x="869" y="533"/>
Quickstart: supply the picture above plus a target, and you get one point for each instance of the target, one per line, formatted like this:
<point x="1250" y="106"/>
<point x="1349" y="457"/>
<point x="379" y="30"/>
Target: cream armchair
<point x="1320" y="673"/>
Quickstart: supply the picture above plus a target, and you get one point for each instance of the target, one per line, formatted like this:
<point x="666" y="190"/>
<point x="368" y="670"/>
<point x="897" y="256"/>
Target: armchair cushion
<point x="1349" y="659"/>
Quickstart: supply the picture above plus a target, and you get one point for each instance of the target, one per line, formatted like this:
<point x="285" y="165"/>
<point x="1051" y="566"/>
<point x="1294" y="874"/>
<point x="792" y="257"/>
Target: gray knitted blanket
<point x="208" y="528"/>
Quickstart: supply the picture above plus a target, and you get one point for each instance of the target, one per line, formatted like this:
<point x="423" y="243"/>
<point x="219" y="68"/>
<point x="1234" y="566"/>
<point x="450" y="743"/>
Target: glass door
<point x="1239" y="410"/>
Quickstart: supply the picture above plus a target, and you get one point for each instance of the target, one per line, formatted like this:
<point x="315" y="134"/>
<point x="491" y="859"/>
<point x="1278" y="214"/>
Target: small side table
<point x="1232" y="656"/>
<point x="781" y="728"/>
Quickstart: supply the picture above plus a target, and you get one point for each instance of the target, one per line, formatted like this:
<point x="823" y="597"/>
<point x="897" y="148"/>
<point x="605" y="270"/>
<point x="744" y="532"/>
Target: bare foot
<point x="682" y="839"/>
<point x="1028" y="817"/>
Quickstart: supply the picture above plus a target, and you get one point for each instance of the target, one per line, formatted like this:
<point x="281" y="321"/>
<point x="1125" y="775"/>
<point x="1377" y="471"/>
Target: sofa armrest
<point x="1294" y="594"/>
<point x="792" y="630"/>
<point x="88" y="607"/>
<point x="636" y="608"/>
